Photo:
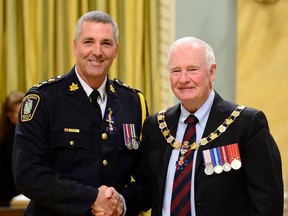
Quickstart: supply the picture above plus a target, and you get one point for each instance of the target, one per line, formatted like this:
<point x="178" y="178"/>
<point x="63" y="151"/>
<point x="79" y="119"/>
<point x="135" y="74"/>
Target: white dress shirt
<point x="202" y="114"/>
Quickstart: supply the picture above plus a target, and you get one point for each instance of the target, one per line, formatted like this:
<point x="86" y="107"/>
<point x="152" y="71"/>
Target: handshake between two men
<point x="108" y="202"/>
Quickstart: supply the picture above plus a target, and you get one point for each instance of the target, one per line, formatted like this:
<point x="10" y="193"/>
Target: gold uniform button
<point x="105" y="162"/>
<point x="104" y="136"/>
<point x="71" y="143"/>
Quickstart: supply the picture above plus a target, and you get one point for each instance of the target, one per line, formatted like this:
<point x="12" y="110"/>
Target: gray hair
<point x="98" y="17"/>
<point x="210" y="57"/>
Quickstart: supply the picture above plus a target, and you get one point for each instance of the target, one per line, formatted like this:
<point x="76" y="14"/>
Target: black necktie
<point x="93" y="98"/>
<point x="181" y="202"/>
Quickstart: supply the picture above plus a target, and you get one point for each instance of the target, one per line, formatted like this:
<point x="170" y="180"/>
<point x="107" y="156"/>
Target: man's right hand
<point x="108" y="202"/>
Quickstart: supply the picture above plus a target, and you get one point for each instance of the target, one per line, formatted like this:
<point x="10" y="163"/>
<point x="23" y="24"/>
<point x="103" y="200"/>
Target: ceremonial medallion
<point x="221" y="129"/>
<point x="235" y="156"/>
<point x="109" y="117"/>
<point x="226" y="167"/>
<point x="218" y="169"/>
<point x="129" y="145"/>
<point x="135" y="144"/>
<point x="216" y="160"/>
<point x="236" y="164"/>
<point x="181" y="163"/>
<point x="209" y="170"/>
<point x="225" y="155"/>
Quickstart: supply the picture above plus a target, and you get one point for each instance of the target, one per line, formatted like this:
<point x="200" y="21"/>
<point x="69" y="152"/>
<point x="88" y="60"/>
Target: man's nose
<point x="184" y="76"/>
<point x="97" y="50"/>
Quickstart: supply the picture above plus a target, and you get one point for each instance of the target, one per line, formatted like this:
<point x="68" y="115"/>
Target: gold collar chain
<point x="176" y="144"/>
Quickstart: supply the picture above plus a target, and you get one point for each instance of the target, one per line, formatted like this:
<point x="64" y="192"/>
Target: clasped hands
<point x="108" y="202"/>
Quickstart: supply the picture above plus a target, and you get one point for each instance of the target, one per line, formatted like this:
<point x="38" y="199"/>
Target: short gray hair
<point x="98" y="17"/>
<point x="210" y="57"/>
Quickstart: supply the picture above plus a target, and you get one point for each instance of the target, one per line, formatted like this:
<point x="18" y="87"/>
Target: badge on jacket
<point x="29" y="106"/>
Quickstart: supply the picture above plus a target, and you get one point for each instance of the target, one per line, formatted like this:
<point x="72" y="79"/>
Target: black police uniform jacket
<point x="61" y="155"/>
<point x="256" y="188"/>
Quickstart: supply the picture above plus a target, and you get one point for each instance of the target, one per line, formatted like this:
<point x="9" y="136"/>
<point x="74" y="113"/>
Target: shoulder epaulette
<point x="144" y="110"/>
<point x="51" y="80"/>
<point x="120" y="83"/>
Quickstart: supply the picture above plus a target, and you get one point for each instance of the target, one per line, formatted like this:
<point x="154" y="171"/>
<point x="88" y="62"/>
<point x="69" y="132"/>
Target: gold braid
<point x="143" y="110"/>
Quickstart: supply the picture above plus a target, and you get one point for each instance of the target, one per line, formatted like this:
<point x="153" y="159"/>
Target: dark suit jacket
<point x="62" y="155"/>
<point x="255" y="189"/>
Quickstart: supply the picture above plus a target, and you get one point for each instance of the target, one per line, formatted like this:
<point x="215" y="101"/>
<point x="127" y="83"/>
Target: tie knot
<point x="191" y="119"/>
<point x="94" y="95"/>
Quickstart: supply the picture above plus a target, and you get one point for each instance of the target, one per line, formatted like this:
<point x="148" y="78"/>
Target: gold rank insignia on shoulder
<point x="73" y="87"/>
<point x="120" y="83"/>
<point x="29" y="106"/>
<point x="51" y="80"/>
<point x="112" y="88"/>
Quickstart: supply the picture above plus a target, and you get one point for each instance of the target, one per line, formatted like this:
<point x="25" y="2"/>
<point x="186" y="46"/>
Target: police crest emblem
<point x="28" y="108"/>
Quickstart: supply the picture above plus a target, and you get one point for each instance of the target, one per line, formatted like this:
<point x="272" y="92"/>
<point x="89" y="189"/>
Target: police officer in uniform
<point x="74" y="152"/>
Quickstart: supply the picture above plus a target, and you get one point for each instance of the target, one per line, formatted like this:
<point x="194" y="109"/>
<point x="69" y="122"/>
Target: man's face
<point x="190" y="77"/>
<point x="95" y="51"/>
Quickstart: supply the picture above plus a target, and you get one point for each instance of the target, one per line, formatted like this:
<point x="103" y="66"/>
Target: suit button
<point x="71" y="143"/>
<point x="104" y="136"/>
<point x="105" y="162"/>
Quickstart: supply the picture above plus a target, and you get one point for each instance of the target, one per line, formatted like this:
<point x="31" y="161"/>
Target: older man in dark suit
<point x="233" y="165"/>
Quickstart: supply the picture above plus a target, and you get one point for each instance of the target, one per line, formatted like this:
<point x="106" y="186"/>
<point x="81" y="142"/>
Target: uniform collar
<point x="88" y="89"/>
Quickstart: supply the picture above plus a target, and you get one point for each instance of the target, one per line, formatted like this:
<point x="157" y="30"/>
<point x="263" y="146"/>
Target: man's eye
<point x="175" y="72"/>
<point x="192" y="69"/>
<point x="107" y="43"/>
<point x="87" y="42"/>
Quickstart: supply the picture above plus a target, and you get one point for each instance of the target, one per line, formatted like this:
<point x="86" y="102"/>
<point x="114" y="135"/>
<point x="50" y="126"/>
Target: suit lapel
<point x="216" y="117"/>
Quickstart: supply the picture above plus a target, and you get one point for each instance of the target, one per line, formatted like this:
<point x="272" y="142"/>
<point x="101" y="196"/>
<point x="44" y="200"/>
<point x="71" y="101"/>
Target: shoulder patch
<point x="51" y="80"/>
<point x="29" y="106"/>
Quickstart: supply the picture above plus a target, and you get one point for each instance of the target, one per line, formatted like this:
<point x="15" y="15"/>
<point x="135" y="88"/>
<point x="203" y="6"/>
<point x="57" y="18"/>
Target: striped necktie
<point x="181" y="201"/>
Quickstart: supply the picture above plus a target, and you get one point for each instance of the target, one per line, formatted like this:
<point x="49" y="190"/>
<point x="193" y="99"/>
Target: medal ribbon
<point x="212" y="157"/>
<point x="127" y="133"/>
<point x="110" y="116"/>
<point x="207" y="157"/>
<point x="133" y="133"/>
<point x="223" y="154"/>
<point x="218" y="156"/>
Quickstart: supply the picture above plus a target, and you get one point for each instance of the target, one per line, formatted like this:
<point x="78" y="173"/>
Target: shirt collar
<point x="88" y="89"/>
<point x="202" y="113"/>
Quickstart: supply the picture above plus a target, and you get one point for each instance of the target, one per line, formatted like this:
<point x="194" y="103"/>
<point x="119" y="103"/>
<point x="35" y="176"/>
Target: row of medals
<point x="133" y="144"/>
<point x="235" y="164"/>
<point x="226" y="166"/>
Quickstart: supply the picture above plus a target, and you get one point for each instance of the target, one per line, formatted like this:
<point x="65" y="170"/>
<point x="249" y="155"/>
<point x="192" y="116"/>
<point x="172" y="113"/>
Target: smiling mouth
<point x="186" y="88"/>
<point x="95" y="62"/>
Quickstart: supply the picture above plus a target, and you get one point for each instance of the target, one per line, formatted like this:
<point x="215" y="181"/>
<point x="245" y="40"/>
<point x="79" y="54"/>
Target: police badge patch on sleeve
<point x="29" y="105"/>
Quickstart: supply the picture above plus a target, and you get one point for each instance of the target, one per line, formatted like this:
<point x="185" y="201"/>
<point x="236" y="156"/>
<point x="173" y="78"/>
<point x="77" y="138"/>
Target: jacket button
<point x="104" y="136"/>
<point x="71" y="143"/>
<point x="105" y="162"/>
